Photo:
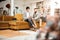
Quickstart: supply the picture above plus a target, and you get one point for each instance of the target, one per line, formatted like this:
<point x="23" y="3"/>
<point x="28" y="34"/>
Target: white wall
<point x="24" y="3"/>
<point x="19" y="4"/>
<point x="3" y="4"/>
<point x="31" y="1"/>
<point x="54" y="4"/>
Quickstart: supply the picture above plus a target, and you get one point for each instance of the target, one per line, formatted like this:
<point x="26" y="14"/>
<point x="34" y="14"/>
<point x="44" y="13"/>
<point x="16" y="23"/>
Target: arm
<point x="24" y="15"/>
<point x="38" y="16"/>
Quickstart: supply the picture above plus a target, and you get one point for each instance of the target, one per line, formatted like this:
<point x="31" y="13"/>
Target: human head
<point x="27" y="9"/>
<point x="16" y="7"/>
<point x="35" y="9"/>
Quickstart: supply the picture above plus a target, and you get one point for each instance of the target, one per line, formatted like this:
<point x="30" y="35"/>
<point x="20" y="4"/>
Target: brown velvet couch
<point x="7" y="22"/>
<point x="4" y="21"/>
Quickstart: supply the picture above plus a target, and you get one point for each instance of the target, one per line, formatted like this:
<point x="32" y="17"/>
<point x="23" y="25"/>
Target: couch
<point x="7" y="22"/>
<point x="4" y="21"/>
<point x="15" y="22"/>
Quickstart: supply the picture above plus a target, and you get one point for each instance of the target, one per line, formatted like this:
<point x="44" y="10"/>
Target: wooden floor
<point x="11" y="33"/>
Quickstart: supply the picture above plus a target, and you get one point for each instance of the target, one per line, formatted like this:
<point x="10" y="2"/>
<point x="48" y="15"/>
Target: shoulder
<point x="24" y="12"/>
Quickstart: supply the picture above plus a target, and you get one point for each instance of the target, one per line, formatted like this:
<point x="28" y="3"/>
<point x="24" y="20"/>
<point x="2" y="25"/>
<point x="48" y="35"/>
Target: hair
<point x="35" y="8"/>
<point x="16" y="7"/>
<point x="4" y="12"/>
<point x="27" y="7"/>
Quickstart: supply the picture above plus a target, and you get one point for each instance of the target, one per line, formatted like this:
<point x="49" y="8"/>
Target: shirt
<point x="26" y="15"/>
<point x="36" y="16"/>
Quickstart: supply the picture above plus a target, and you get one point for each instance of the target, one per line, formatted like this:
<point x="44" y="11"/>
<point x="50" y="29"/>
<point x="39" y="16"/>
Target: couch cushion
<point x="19" y="17"/>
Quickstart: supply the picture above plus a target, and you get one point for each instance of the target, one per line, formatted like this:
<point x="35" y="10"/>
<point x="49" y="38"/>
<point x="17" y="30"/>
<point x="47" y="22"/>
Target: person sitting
<point x="28" y="18"/>
<point x="36" y="16"/>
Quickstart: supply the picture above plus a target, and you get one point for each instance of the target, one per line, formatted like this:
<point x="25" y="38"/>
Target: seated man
<point x="36" y="16"/>
<point x="28" y="18"/>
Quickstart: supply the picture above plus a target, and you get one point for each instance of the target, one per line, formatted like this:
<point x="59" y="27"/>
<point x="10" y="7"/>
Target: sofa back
<point x="19" y="17"/>
<point x="6" y="18"/>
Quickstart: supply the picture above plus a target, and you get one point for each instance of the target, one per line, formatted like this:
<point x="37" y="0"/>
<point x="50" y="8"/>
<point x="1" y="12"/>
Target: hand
<point x="30" y="17"/>
<point x="41" y="15"/>
<point x="33" y="19"/>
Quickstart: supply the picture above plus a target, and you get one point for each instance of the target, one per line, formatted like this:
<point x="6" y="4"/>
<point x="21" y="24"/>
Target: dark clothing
<point x="43" y="19"/>
<point x="30" y="22"/>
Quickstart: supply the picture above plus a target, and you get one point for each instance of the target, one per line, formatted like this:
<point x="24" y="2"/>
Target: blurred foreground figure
<point x="51" y="30"/>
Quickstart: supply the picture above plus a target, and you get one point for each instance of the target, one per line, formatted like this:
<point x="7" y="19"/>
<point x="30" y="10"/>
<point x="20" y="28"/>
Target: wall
<point x="31" y="4"/>
<point x="24" y="3"/>
<point x="54" y="4"/>
<point x="2" y="4"/>
<point x="19" y="4"/>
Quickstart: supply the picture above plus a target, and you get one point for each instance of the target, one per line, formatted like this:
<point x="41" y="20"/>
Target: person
<point x="28" y="18"/>
<point x="5" y="13"/>
<point x="52" y="28"/>
<point x="17" y="10"/>
<point x="1" y="10"/>
<point x="36" y="15"/>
